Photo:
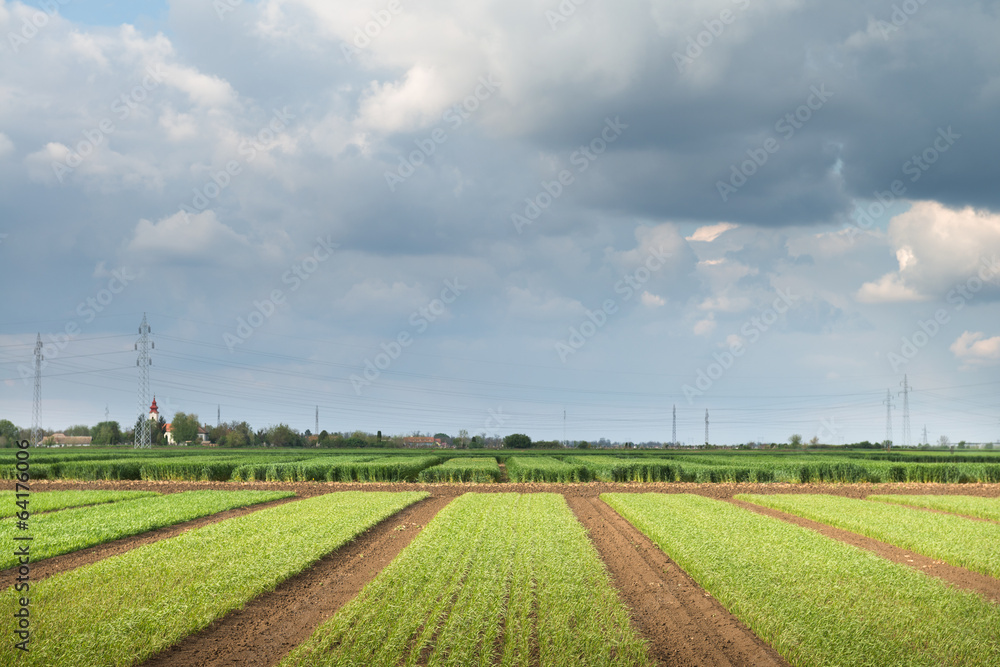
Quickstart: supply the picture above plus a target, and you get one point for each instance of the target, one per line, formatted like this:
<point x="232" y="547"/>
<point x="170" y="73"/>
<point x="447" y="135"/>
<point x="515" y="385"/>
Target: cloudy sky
<point x="443" y="215"/>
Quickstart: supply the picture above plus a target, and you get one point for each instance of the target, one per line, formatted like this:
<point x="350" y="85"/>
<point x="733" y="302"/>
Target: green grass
<point x="983" y="508"/>
<point x="974" y="545"/>
<point x="465" y="469"/>
<point x="81" y="527"/>
<point x="545" y="469"/>
<point x="48" y="501"/>
<point x="124" y="609"/>
<point x="614" y="469"/>
<point x="502" y="579"/>
<point x="815" y="600"/>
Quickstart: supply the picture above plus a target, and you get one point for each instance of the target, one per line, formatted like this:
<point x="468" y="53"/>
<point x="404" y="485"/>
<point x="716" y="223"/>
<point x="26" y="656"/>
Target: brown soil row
<point x="587" y="490"/>
<point x="683" y="624"/>
<point x="956" y="576"/>
<point x="272" y="624"/>
<point x="50" y="566"/>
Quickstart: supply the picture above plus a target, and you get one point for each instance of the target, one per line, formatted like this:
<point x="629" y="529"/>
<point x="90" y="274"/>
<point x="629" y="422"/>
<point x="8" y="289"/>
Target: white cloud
<point x="704" y="327"/>
<point x="188" y="237"/>
<point x="6" y="145"/>
<point x="709" y="233"/>
<point x="975" y="349"/>
<point x="652" y="300"/>
<point x="887" y="289"/>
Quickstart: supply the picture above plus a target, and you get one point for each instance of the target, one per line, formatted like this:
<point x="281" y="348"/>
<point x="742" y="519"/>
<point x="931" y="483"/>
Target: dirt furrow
<point x="270" y="625"/>
<point x="956" y="576"/>
<point x="682" y="622"/>
<point x="46" y="568"/>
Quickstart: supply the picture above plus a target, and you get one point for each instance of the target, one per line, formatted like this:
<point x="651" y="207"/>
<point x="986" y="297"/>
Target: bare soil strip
<point x="270" y="625"/>
<point x="46" y="568"/>
<point x="722" y="491"/>
<point x="683" y="623"/>
<point x="956" y="576"/>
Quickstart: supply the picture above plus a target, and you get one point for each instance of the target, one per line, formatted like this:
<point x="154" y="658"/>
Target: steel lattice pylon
<point x="36" y="406"/>
<point x="143" y="362"/>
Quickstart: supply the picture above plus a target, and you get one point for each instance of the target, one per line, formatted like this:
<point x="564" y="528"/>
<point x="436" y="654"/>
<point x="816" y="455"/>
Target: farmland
<point x="503" y="558"/>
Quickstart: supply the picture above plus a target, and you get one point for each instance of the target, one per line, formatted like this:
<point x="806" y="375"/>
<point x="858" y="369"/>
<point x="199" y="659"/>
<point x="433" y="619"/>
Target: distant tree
<point x="583" y="444"/>
<point x="283" y="435"/>
<point x="988" y="445"/>
<point x="184" y="428"/>
<point x="961" y="444"/>
<point x="517" y="441"/>
<point x="463" y="438"/>
<point x="106" y="433"/>
<point x="443" y="437"/>
<point x="795" y="440"/>
<point x="235" y="439"/>
<point x="943" y="441"/>
<point x="476" y="442"/>
<point x="10" y="435"/>
<point x="814" y="441"/>
<point x="80" y="430"/>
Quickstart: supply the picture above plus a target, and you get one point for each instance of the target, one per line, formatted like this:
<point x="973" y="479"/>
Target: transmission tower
<point x="142" y="346"/>
<point x="888" y="418"/>
<point x="565" y="441"/>
<point x="107" y="413"/>
<point x="316" y="432"/>
<point x="906" y="411"/>
<point x="924" y="442"/>
<point x="673" y="435"/>
<point x="218" y="415"/>
<point x="706" y="427"/>
<point x="36" y="406"/>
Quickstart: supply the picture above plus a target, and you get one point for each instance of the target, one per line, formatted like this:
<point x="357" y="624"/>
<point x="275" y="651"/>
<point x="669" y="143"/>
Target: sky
<point x="560" y="218"/>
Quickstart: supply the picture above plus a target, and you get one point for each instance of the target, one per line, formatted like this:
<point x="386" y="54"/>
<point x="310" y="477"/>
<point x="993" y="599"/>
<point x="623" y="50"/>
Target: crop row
<point x="338" y="469"/>
<point x="983" y="508"/>
<point x="502" y="579"/>
<point x="546" y="469"/>
<point x="81" y="527"/>
<point x="121" y="610"/>
<point x="48" y="501"/>
<point x="974" y="545"/>
<point x="817" y="601"/>
<point x="464" y="469"/>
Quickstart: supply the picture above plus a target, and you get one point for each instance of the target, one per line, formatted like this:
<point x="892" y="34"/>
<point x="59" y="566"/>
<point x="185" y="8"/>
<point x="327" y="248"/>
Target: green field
<point x="974" y="545"/>
<point x="545" y="469"/>
<point x="494" y="579"/>
<point x="48" y="501"/>
<point x="983" y="508"/>
<point x="81" y="527"/>
<point x="464" y="469"/>
<point x="121" y="610"/>
<point x="815" y="600"/>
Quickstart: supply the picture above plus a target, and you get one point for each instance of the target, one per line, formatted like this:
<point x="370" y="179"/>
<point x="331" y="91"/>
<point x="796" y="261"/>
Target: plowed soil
<point x="684" y="624"/>
<point x="272" y="624"/>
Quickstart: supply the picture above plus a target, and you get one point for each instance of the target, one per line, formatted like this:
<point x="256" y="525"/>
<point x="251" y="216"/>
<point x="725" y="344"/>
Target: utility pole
<point x="906" y="411"/>
<point x="142" y="346"/>
<point x="673" y="435"/>
<point x="706" y="427"/>
<point x="888" y="419"/>
<point x="565" y="441"/>
<point x="218" y="414"/>
<point x="316" y="433"/>
<point x="36" y="406"/>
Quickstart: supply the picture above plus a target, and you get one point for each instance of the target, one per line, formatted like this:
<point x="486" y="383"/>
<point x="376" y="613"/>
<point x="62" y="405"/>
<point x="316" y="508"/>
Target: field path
<point x="44" y="569"/>
<point x="684" y="625"/>
<point x="956" y="576"/>
<point x="272" y="624"/>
